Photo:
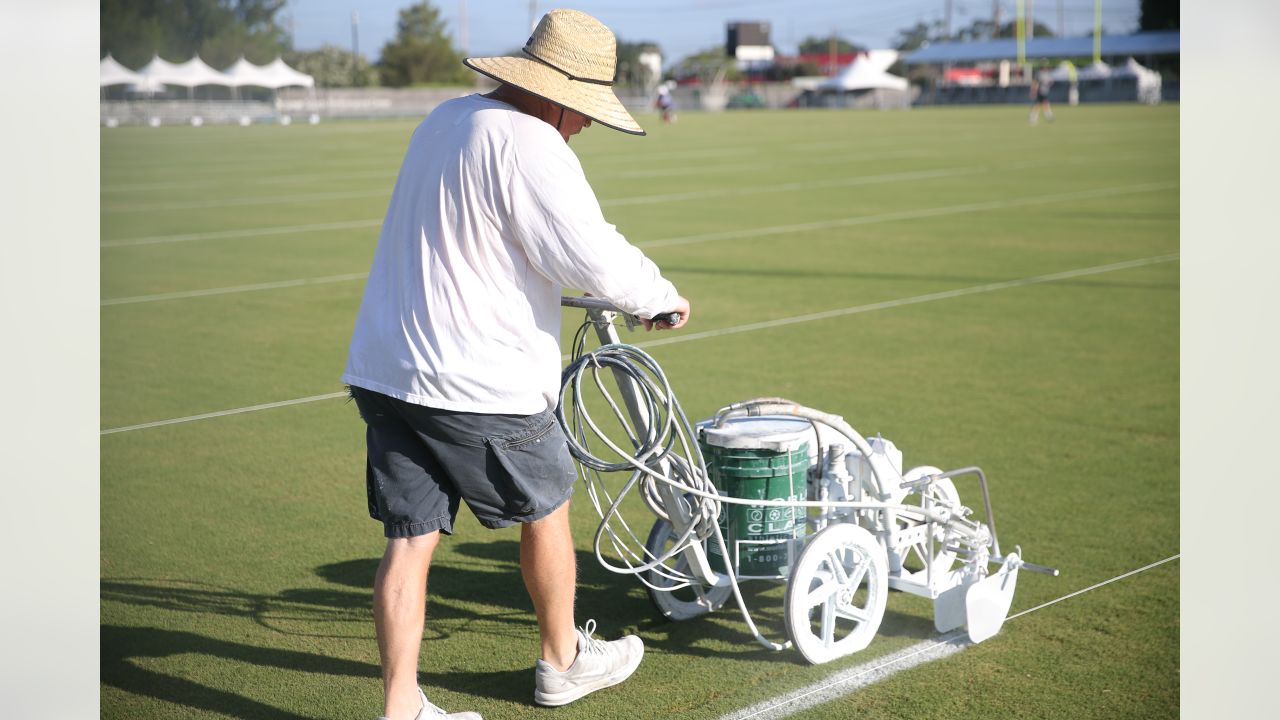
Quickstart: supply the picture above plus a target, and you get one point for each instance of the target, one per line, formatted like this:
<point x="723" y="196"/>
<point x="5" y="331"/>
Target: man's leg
<point x="399" y="613"/>
<point x="549" y="567"/>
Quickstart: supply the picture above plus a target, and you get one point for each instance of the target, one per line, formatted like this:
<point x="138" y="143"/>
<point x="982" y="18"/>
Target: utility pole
<point x="1031" y="19"/>
<point x="948" y="19"/>
<point x="831" y="53"/>
<point x="463" y="40"/>
<point x="995" y="19"/>
<point x="1097" y="31"/>
<point x="355" y="48"/>
<point x="1020" y="31"/>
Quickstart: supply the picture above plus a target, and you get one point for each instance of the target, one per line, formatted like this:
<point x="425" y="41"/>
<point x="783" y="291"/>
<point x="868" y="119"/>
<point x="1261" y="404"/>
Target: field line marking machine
<point x="770" y="490"/>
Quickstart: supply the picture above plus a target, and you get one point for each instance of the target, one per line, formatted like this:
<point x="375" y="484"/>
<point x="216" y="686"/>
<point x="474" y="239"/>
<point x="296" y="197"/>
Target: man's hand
<point x="682" y="307"/>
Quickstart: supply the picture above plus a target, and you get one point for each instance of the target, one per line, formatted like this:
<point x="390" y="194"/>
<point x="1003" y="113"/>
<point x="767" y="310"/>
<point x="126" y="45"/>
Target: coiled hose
<point x="662" y="450"/>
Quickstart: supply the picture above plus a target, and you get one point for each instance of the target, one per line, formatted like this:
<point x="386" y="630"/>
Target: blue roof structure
<point x="1137" y="45"/>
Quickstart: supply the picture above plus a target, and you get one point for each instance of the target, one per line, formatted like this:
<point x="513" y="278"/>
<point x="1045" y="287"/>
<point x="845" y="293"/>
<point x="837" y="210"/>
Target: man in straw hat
<point x="455" y="359"/>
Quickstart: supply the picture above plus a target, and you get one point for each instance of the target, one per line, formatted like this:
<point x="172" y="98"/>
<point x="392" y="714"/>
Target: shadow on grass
<point x="477" y="588"/>
<point x="276" y="612"/>
<point x="121" y="645"/>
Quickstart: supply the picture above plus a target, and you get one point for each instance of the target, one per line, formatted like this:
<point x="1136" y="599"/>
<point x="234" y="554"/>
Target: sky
<point x="682" y="27"/>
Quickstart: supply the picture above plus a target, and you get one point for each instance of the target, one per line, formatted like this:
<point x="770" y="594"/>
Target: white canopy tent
<point x="1148" y="81"/>
<point x="147" y="85"/>
<point x="1062" y="73"/>
<point x="1132" y="68"/>
<point x="243" y="73"/>
<point x="273" y="76"/>
<point x="1095" y="71"/>
<point x="111" y="72"/>
<point x="160" y="72"/>
<point x="196" y="72"/>
<point x="868" y="71"/>
<point x="284" y="76"/>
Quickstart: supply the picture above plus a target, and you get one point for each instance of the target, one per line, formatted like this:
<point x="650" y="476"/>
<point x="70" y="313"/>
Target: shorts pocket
<point x="533" y="468"/>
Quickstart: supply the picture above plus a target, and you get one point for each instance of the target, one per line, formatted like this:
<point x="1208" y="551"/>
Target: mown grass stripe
<point x="913" y="214"/>
<point x="757" y="232"/>
<point x="930" y="297"/>
<point x="989" y="287"/>
<point x="636" y="200"/>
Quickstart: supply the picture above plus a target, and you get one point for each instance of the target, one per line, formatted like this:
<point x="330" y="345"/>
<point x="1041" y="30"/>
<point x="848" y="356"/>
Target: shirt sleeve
<point x="558" y="219"/>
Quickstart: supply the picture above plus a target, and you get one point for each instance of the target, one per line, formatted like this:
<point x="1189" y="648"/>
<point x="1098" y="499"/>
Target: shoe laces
<point x="590" y="644"/>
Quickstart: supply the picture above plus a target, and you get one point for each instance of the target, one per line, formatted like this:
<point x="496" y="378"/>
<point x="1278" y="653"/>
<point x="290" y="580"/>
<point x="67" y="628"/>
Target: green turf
<point x="236" y="558"/>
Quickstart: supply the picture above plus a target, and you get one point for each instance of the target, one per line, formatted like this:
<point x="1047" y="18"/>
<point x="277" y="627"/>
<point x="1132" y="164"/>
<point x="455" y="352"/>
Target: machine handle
<point x="1052" y="572"/>
<point x="593" y="303"/>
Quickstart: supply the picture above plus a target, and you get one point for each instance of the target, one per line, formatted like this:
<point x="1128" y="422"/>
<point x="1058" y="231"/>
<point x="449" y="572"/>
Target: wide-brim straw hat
<point x="570" y="61"/>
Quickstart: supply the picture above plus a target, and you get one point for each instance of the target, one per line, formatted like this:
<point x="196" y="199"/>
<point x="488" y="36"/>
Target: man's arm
<point x="566" y="238"/>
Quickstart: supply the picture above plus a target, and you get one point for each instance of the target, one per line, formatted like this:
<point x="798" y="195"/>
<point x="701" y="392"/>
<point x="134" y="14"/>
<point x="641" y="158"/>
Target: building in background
<point x="748" y="44"/>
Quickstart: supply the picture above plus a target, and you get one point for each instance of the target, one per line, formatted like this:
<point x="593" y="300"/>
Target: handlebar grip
<point x="670" y="318"/>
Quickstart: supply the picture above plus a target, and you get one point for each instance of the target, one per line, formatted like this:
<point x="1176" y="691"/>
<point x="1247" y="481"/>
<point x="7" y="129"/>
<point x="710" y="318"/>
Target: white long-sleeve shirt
<point x="490" y="219"/>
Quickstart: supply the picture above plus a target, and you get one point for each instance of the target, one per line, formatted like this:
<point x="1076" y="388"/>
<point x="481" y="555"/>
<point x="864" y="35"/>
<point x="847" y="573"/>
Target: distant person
<point x="454" y="362"/>
<point x="1073" y="86"/>
<point x="1040" y="97"/>
<point x="666" y="104"/>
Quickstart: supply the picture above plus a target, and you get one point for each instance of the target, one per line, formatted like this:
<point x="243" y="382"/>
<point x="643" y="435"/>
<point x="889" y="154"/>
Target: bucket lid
<point x="777" y="434"/>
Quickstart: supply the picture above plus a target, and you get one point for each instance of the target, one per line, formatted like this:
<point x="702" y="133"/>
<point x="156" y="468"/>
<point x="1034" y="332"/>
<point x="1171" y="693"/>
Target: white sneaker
<point x="599" y="665"/>
<point x="432" y="712"/>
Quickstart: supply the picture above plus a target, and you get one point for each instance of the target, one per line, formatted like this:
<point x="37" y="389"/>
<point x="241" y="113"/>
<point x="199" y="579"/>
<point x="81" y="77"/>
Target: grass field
<point x="992" y="294"/>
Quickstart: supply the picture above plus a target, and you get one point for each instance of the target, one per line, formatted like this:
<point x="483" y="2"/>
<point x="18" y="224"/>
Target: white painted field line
<point x="247" y="232"/>
<point x="224" y="413"/>
<point x="911" y="214"/>
<point x="846" y="681"/>
<point x="989" y="287"/>
<point x="900" y="302"/>
<point x="728" y="235"/>
<point x="1094" y="587"/>
<point x="389" y="174"/>
<point x="235" y="202"/>
<point x="234" y="289"/>
<point x="792" y="186"/>
<point x="614" y="202"/>
<point x="636" y="200"/>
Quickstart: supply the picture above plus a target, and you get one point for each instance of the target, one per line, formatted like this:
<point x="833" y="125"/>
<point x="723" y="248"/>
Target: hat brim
<point x="597" y="102"/>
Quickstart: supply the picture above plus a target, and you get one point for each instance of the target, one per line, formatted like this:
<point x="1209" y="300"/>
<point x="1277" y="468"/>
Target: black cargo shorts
<point x="422" y="461"/>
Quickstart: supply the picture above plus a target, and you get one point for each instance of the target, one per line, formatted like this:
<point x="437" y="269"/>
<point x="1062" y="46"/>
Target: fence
<point x="299" y="105"/>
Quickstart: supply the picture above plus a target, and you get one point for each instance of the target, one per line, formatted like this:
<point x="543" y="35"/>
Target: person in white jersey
<point x="455" y="358"/>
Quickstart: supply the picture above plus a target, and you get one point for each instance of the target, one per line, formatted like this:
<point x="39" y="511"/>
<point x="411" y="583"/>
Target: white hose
<point x="665" y="450"/>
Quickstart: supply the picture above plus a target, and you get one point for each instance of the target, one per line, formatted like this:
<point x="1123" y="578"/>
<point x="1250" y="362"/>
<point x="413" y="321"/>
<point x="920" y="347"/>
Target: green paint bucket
<point x="758" y="459"/>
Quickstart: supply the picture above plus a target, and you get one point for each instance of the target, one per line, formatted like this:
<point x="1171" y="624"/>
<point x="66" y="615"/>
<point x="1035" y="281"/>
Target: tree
<point x="707" y="65"/>
<point x="982" y="29"/>
<point x="630" y="71"/>
<point x="421" y="52"/>
<point x="331" y="66"/>
<point x="921" y="34"/>
<point x="822" y="46"/>
<point x="218" y="30"/>
<point x="917" y="36"/>
<point x="1159" y="15"/>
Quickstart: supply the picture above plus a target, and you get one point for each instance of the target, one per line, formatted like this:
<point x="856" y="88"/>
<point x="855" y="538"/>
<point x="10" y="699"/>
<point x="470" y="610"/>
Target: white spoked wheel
<point x="837" y="593"/>
<point x="931" y="549"/>
<point x="683" y="603"/>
